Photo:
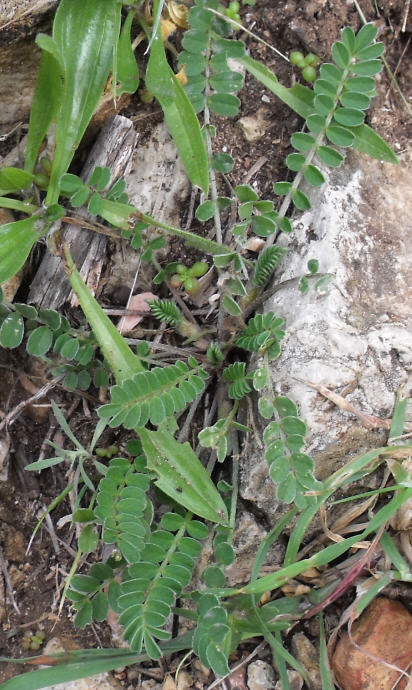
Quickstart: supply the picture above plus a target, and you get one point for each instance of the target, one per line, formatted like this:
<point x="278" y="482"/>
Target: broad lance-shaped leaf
<point x="181" y="475"/>
<point x="85" y="34"/>
<point x="180" y="117"/>
<point x="16" y="241"/>
<point x="122" y="361"/>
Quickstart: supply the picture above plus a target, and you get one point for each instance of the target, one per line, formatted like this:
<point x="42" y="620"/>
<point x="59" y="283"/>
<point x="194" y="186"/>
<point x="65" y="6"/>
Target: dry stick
<point x="9" y="419"/>
<point x="369" y="420"/>
<point x="185" y="430"/>
<point x="406" y="14"/>
<point x="398" y="65"/>
<point x="9" y="586"/>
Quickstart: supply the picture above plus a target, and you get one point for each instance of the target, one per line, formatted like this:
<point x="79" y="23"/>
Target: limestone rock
<point x="102" y="681"/>
<point x="382" y="634"/>
<point x="260" y="676"/>
<point x="357" y="338"/>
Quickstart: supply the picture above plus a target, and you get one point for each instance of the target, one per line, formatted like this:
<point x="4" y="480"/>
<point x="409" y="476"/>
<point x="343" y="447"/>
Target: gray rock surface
<point x="356" y="339"/>
<point x="101" y="681"/>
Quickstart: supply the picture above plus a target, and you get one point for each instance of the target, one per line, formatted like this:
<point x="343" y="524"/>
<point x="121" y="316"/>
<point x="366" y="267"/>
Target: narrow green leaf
<point x="299" y="98"/>
<point x="46" y="101"/>
<point x="179" y="115"/>
<point x="127" y="69"/>
<point x="122" y="361"/>
<point x="84" y="663"/>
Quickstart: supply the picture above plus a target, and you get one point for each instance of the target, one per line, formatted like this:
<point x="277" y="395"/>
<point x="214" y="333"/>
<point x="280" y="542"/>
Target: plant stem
<point x="16" y="205"/>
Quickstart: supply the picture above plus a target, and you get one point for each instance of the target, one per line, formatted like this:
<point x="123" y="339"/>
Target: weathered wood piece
<point x="50" y="288"/>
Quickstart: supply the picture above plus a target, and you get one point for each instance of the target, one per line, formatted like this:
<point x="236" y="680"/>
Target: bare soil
<point x="37" y="577"/>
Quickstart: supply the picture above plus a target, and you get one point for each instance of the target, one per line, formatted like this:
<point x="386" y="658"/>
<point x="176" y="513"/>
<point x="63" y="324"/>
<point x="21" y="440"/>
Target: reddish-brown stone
<point x="384" y="631"/>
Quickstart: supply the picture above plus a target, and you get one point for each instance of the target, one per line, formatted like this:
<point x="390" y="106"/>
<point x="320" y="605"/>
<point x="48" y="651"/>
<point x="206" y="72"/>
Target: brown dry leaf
<point x="295" y="589"/>
<point x="137" y="303"/>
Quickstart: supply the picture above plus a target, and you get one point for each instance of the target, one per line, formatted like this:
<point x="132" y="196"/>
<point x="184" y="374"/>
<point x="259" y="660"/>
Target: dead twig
<point x="244" y="661"/>
<point x="9" y="586"/>
<point x="10" y="418"/>
<point x="369" y="420"/>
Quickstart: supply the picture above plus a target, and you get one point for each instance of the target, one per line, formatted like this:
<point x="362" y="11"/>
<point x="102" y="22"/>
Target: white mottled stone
<point x="356" y="337"/>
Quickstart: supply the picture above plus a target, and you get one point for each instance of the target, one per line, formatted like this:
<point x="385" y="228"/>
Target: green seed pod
<point x="312" y="59"/>
<point x="309" y="73"/>
<point x="296" y="58"/>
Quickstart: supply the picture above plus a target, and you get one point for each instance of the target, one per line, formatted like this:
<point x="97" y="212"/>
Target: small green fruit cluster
<point x="233" y="10"/>
<point x="188" y="277"/>
<point x="33" y="641"/>
<point x="307" y="64"/>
